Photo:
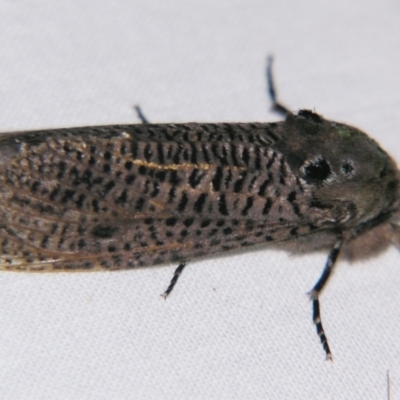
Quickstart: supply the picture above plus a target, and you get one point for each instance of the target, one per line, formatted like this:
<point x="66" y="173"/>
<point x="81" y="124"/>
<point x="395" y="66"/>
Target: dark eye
<point x="347" y="167"/>
<point x="317" y="169"/>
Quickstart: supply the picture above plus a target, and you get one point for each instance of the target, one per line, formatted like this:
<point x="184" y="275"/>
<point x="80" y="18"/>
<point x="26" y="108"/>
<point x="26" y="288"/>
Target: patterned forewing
<point x="128" y="196"/>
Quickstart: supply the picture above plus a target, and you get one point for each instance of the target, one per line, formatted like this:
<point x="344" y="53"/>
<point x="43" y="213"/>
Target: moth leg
<point x="140" y="115"/>
<point x="276" y="105"/>
<point x="174" y="279"/>
<point x="317" y="289"/>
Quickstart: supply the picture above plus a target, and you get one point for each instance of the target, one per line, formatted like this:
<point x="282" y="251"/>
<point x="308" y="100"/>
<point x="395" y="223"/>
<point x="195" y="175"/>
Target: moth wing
<point x="60" y="210"/>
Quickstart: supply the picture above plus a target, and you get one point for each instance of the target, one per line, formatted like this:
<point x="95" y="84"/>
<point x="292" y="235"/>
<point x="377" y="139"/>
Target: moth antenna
<point x="140" y="115"/>
<point x="276" y="105"/>
<point x="317" y="289"/>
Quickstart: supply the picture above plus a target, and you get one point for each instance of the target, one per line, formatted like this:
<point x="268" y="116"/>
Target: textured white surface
<point x="236" y="327"/>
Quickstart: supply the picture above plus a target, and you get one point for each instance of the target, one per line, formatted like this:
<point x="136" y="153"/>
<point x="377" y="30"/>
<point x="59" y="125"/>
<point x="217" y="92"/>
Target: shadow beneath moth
<point x="129" y="196"/>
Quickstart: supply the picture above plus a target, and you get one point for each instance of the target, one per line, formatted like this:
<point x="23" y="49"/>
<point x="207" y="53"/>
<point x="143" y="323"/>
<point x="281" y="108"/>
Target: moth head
<point x="340" y="163"/>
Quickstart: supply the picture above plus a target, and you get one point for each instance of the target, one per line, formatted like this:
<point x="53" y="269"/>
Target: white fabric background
<point x="236" y="327"/>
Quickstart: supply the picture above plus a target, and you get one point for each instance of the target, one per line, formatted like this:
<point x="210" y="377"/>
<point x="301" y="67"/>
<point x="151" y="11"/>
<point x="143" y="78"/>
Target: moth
<point x="129" y="196"/>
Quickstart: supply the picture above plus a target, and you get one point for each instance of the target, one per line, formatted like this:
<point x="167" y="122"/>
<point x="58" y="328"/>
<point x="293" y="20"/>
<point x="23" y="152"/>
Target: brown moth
<point x="129" y="196"/>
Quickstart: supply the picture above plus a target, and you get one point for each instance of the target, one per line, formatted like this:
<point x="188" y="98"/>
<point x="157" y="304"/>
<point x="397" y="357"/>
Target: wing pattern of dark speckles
<point x="129" y="196"/>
